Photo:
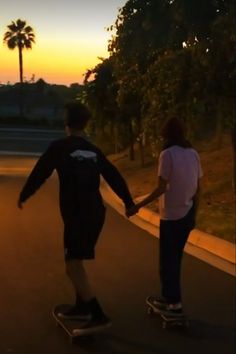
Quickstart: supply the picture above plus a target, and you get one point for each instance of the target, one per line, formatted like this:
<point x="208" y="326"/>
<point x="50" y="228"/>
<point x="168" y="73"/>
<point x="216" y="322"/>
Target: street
<point x="27" y="140"/>
<point x="125" y="271"/>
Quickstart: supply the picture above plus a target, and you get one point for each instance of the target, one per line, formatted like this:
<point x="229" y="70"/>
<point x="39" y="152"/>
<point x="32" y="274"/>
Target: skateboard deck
<point x="72" y="327"/>
<point x="168" y="320"/>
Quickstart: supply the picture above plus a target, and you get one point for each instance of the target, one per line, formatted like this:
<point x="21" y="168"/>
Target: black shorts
<point x="81" y="234"/>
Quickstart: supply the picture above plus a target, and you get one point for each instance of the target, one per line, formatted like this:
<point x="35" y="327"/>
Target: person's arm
<point x="156" y="193"/>
<point x="164" y="171"/>
<point x="115" y="180"/>
<point x="41" y="171"/>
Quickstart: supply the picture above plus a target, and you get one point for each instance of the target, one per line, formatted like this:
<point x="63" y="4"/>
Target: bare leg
<point x="84" y="294"/>
<point x="78" y="276"/>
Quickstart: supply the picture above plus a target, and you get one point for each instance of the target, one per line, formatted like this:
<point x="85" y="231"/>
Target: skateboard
<point x="72" y="327"/>
<point x="168" y="320"/>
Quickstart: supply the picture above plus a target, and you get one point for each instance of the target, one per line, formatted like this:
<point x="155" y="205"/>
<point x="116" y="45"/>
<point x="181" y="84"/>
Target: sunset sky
<point x="70" y="36"/>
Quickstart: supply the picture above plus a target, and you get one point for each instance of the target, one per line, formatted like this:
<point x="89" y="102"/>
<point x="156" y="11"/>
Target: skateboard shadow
<point x="115" y="344"/>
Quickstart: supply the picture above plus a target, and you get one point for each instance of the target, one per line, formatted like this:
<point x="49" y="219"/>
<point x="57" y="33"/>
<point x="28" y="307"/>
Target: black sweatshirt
<point x="79" y="165"/>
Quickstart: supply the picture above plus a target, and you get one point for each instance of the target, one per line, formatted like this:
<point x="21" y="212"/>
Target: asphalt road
<point x="27" y="140"/>
<point x="124" y="273"/>
<point x="32" y="281"/>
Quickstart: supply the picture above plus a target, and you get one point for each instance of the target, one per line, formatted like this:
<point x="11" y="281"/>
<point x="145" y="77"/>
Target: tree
<point x="20" y="36"/>
<point x="100" y="92"/>
<point x="141" y="29"/>
<point x="162" y="51"/>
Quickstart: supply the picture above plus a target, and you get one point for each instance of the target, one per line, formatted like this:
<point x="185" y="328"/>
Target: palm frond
<point x="12" y="42"/>
<point x="12" y="27"/>
<point x="27" y="44"/>
<point x="7" y="36"/>
<point x="28" y="29"/>
<point x="20" y="24"/>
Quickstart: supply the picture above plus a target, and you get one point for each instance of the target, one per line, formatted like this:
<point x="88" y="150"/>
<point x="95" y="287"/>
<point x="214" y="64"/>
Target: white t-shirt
<point x="181" y="168"/>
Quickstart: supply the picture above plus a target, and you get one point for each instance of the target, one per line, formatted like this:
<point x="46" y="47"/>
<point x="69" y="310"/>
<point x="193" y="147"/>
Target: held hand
<point x="132" y="210"/>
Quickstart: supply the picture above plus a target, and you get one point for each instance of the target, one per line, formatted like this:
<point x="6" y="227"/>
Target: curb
<point x="211" y="249"/>
<point x="210" y="243"/>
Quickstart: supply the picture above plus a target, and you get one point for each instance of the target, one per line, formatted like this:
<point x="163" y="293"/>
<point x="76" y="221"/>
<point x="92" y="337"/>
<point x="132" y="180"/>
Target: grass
<point x="217" y="207"/>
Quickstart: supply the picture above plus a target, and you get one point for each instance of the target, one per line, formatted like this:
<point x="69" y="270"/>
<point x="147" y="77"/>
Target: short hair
<point x="77" y="115"/>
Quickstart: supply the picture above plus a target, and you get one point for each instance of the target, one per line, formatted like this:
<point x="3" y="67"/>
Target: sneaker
<point x="75" y="313"/>
<point x="159" y="303"/>
<point x="93" y="325"/>
<point x="169" y="311"/>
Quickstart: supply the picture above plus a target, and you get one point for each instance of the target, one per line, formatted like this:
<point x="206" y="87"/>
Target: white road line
<point x="19" y="153"/>
<point x="26" y="130"/>
<point x="25" y="139"/>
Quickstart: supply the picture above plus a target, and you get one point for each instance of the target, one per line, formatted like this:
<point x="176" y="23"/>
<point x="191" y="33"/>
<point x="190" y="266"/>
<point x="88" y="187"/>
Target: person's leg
<point x="85" y="298"/>
<point x="79" y="280"/>
<point x="76" y="272"/>
<point x="182" y="229"/>
<point x="180" y="235"/>
<point x="79" y="242"/>
<point x="173" y="237"/>
<point x="169" y="263"/>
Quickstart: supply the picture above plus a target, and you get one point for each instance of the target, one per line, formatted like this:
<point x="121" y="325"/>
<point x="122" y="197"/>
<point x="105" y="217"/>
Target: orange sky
<point x="69" y="38"/>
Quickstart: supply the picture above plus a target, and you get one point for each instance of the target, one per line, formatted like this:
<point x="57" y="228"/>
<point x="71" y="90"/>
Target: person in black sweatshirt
<point x="79" y="165"/>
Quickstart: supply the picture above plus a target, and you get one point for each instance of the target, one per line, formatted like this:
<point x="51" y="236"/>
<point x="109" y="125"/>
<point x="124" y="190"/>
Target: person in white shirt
<point x="179" y="172"/>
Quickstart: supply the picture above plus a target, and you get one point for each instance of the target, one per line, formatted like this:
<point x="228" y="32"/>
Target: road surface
<point x="33" y="280"/>
<point x="27" y="140"/>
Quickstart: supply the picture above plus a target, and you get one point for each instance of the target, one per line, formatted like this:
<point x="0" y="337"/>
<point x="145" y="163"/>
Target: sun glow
<point x="57" y="62"/>
<point x="66" y="45"/>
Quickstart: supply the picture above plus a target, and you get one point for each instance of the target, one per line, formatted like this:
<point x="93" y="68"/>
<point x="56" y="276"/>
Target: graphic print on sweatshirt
<point x="81" y="172"/>
<point x="81" y="155"/>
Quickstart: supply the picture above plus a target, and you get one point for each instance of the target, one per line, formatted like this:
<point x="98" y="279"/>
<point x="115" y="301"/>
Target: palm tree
<point x="21" y="36"/>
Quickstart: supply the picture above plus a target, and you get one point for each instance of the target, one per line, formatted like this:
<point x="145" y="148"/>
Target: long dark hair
<point x="173" y="134"/>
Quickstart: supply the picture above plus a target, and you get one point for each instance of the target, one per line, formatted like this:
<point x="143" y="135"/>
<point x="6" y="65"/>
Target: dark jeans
<point x="173" y="236"/>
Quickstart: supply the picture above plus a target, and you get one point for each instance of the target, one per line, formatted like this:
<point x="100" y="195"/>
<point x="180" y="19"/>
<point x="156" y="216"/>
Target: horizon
<point x="67" y="44"/>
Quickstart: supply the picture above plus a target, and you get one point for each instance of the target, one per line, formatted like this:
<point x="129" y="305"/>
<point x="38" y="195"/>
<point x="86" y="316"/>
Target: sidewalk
<point x="210" y="249"/>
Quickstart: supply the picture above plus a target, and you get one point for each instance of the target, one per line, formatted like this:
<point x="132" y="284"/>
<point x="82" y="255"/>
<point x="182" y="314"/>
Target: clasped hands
<point x="131" y="210"/>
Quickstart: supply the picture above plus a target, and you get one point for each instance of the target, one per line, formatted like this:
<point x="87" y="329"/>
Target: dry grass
<point x="217" y="207"/>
